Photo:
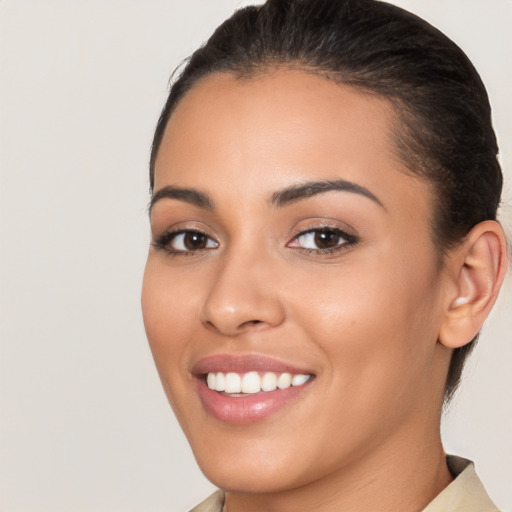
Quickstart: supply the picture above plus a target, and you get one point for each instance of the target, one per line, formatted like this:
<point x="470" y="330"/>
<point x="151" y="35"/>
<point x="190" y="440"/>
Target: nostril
<point x="210" y="325"/>
<point x="234" y="328"/>
<point x="250" y="323"/>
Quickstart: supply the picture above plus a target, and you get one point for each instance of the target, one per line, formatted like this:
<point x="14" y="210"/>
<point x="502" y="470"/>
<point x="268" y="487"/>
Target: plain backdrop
<point x="84" y="425"/>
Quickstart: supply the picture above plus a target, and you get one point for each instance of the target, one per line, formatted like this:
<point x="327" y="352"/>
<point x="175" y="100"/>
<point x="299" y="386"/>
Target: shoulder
<point x="213" y="503"/>
<point x="465" y="494"/>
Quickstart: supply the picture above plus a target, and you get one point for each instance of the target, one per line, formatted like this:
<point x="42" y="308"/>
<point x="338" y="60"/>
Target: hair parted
<point x="443" y="130"/>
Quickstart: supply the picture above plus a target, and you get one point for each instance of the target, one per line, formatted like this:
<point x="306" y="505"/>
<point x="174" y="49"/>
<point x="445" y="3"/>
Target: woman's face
<point x="287" y="239"/>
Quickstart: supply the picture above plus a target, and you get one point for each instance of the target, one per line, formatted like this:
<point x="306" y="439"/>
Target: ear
<point x="478" y="268"/>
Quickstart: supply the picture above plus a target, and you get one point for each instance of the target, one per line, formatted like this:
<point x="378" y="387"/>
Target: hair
<point x="442" y="131"/>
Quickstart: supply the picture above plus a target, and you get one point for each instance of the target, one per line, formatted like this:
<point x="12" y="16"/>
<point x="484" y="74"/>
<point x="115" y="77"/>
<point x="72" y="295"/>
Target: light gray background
<point x="84" y="424"/>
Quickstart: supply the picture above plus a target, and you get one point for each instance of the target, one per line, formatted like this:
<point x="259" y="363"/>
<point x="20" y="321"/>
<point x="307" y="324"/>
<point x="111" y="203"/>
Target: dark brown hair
<point x="443" y="129"/>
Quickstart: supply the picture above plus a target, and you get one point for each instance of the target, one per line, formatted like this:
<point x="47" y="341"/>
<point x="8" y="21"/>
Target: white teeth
<point x="252" y="382"/>
<point x="210" y="380"/>
<point x="284" y="381"/>
<point x="298" y="380"/>
<point x="220" y="382"/>
<point x="269" y="382"/>
<point x="233" y="383"/>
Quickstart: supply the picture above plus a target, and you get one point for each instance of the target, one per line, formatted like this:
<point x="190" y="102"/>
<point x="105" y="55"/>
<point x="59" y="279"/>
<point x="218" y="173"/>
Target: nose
<point x="242" y="297"/>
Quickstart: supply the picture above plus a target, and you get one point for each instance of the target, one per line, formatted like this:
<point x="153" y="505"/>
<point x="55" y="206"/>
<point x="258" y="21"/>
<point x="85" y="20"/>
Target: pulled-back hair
<point x="442" y="131"/>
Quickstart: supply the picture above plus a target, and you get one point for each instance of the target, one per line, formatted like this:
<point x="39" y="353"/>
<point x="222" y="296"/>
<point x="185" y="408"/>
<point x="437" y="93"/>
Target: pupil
<point x="326" y="239"/>
<point x="194" y="241"/>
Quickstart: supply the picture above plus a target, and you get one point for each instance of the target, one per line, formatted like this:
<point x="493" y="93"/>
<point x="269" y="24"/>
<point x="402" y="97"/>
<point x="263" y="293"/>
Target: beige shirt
<point x="465" y="494"/>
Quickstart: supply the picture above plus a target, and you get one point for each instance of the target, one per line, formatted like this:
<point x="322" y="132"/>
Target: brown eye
<point x="189" y="241"/>
<point x="193" y="241"/>
<point x="323" y="240"/>
<point x="327" y="239"/>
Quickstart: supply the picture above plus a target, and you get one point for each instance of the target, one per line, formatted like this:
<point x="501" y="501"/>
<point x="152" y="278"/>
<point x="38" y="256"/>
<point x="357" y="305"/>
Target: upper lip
<point x="244" y="363"/>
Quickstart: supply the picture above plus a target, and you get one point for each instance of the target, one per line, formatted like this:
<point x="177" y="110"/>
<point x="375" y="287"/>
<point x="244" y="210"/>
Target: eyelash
<point x="164" y="241"/>
<point x="348" y="240"/>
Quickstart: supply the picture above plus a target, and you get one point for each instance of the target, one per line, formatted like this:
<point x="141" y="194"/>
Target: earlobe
<point x="479" y="269"/>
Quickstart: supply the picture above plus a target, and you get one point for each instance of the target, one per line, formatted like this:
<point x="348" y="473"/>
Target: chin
<point x="246" y="476"/>
<point x="249" y="466"/>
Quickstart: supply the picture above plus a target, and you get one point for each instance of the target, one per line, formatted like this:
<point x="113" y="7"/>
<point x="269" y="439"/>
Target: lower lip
<point x="242" y="410"/>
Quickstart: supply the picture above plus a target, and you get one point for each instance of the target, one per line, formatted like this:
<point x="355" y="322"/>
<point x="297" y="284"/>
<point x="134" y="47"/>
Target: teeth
<point x="220" y="382"/>
<point x="269" y="382"/>
<point x="284" y="381"/>
<point x="298" y="380"/>
<point x="252" y="382"/>
<point x="233" y="383"/>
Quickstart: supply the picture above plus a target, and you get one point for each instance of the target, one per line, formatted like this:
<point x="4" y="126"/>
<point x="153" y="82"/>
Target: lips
<point x="241" y="390"/>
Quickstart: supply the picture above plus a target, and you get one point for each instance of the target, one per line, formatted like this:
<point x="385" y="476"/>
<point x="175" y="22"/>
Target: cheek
<point x="163" y="307"/>
<point x="167" y="309"/>
<point x="374" y="325"/>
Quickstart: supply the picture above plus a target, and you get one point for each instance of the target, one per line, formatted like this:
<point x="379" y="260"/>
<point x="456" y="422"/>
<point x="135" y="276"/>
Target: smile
<point x="245" y="389"/>
<point x="253" y="382"/>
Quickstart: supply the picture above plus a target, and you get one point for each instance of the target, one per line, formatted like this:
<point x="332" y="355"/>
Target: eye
<point x="322" y="240"/>
<point x="185" y="241"/>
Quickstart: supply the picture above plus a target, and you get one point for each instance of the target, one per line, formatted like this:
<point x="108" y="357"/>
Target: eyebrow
<point x="188" y="195"/>
<point x="280" y="198"/>
<point x="309" y="189"/>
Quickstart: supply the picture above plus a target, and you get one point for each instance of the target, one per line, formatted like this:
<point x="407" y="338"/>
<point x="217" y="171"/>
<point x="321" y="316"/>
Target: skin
<point x="366" y="319"/>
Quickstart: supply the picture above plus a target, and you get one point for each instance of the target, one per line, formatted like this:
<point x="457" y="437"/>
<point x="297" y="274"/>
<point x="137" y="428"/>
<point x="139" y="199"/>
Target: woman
<point x="325" y="250"/>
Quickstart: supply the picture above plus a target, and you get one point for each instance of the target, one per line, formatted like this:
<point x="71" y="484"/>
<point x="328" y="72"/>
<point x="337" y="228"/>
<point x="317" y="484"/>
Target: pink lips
<point x="244" y="409"/>
<point x="242" y="364"/>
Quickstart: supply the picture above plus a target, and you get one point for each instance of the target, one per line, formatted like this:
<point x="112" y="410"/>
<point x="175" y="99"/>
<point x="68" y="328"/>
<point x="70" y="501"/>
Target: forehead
<point x="279" y="128"/>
